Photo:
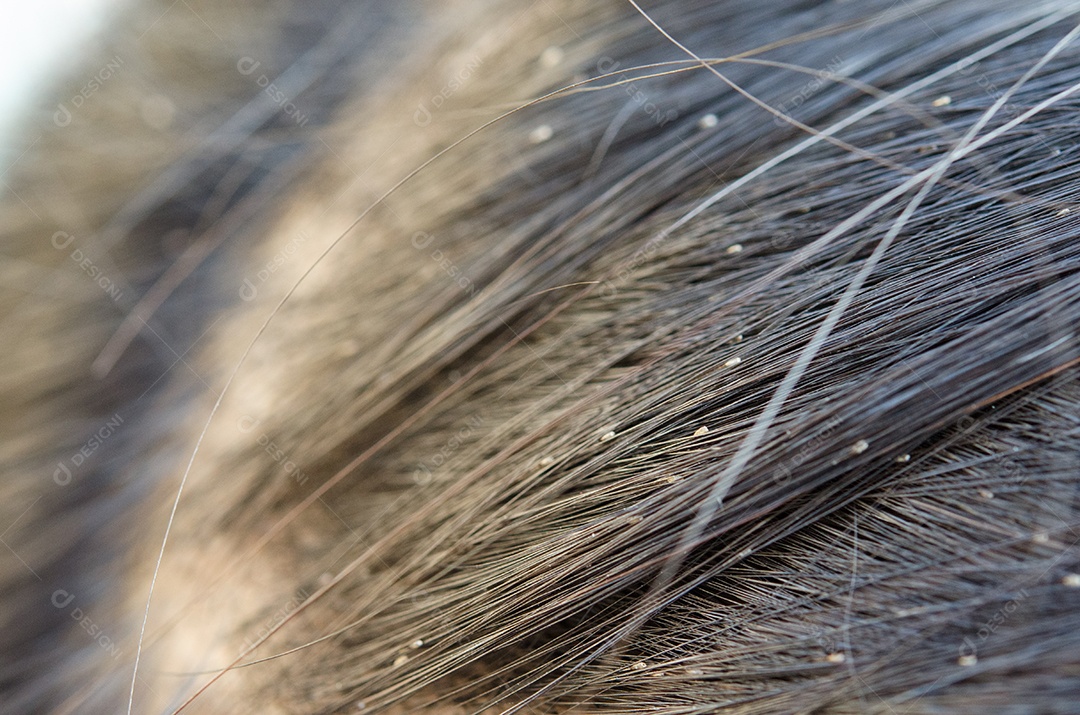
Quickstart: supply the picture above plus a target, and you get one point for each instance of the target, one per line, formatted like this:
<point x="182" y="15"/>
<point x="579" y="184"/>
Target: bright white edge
<point x="40" y="41"/>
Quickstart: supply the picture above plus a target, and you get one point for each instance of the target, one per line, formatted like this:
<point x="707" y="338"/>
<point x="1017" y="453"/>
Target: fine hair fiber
<point x="499" y="356"/>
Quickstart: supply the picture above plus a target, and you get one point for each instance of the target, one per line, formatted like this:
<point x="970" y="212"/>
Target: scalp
<point x="633" y="401"/>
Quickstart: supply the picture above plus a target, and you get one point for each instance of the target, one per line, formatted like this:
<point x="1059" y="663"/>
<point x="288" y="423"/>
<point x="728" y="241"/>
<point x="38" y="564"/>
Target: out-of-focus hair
<point x="672" y="357"/>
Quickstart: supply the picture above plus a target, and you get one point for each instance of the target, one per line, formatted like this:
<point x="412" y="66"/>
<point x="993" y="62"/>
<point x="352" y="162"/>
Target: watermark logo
<point x="65" y="110"/>
<point x="247" y="67"/>
<point x="276" y="619"/>
<point x="249" y="289"/>
<point x="423" y="114"/>
<point x="783" y="472"/>
<point x="247" y="424"/>
<point x="61" y="240"/>
<point x="422" y="473"/>
<point x="607" y="66"/>
<point x="62" y="599"/>
<point x="808" y="90"/>
<point x="421" y="240"/>
<point x="63" y="473"/>
<point x="968" y="650"/>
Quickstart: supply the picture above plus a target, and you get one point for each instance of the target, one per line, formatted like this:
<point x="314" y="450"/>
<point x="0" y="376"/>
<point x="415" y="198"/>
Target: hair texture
<point x="610" y="357"/>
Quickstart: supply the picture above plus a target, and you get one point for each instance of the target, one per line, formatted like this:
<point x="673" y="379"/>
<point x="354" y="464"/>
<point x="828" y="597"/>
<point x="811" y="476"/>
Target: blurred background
<point x="40" y="41"/>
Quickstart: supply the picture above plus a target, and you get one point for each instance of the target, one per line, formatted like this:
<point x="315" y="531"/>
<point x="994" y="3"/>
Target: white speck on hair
<point x="1040" y="537"/>
<point x="903" y="459"/>
<point x="400" y="661"/>
<point x="734" y="249"/>
<point x="708" y="121"/>
<point x="859" y="447"/>
<point x="733" y="362"/>
<point x="835" y="657"/>
<point x="701" y="430"/>
<point x="1071" y="580"/>
<point x="607" y="436"/>
<point x="943" y="101"/>
<point x="348" y="348"/>
<point x="551" y="57"/>
<point x="1064" y="212"/>
<point x="418" y="643"/>
<point x="541" y="134"/>
<point x="547" y="461"/>
<point x="967" y="660"/>
<point x="986" y="494"/>
<point x="639" y="666"/>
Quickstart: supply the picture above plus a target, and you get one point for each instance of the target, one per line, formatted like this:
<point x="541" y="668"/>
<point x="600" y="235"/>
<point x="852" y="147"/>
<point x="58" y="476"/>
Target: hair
<point x="611" y="357"/>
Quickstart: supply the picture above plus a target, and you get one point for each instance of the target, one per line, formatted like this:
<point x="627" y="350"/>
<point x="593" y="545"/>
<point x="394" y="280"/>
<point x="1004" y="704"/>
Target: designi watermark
<point x="63" y="474"/>
<point x="63" y="114"/>
<point x="63" y="599"/>
<point x="61" y="240"/>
